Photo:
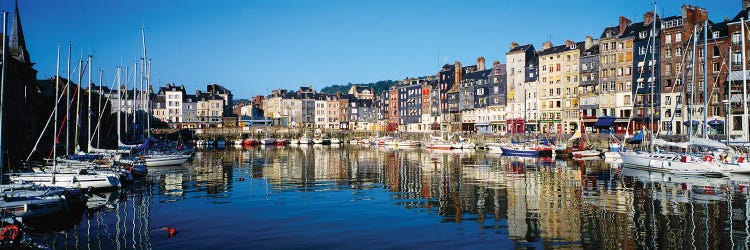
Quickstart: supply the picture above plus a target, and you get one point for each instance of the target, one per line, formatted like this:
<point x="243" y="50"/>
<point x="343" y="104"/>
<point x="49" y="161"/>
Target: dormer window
<point x="642" y="34"/>
<point x="609" y="34"/>
<point x="715" y="34"/>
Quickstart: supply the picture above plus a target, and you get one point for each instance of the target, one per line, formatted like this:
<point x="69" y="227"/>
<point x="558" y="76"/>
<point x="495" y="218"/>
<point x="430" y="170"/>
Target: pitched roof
<point x="612" y="30"/>
<point x="554" y="50"/>
<point x="17" y="42"/>
<point x="520" y="48"/>
<point x="478" y="75"/>
<point x="741" y="14"/>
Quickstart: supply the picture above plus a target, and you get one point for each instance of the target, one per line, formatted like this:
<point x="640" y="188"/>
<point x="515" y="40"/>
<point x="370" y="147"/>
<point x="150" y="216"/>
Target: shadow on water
<point x="301" y="196"/>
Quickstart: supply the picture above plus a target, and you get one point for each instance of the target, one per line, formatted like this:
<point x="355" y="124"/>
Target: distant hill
<point x="378" y="87"/>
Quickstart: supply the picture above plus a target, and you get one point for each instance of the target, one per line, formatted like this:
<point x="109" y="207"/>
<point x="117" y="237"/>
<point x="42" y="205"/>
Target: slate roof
<point x="520" y="48"/>
<point x="613" y="30"/>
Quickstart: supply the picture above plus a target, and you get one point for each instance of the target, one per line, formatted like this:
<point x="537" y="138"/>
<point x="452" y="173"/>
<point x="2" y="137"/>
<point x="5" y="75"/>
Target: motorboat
<point x="81" y="178"/>
<point x="157" y="160"/>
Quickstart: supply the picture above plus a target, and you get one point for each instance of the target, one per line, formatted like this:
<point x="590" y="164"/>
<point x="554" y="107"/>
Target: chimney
<point x="624" y="23"/>
<point x="569" y="43"/>
<point x="458" y="73"/>
<point x="513" y="45"/>
<point x="480" y="63"/>
<point x="726" y="18"/>
<point x="745" y="4"/>
<point x="546" y="45"/>
<point x="495" y="64"/>
<point x="648" y="17"/>
<point x="588" y="43"/>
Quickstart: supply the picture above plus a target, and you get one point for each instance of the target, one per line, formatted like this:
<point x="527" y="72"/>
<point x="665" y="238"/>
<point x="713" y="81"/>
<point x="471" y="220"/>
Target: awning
<point x="694" y="122"/>
<point x="737" y="75"/>
<point x="637" y="138"/>
<point x="482" y="124"/>
<point x="621" y="120"/>
<point x="604" y="122"/>
<point x="716" y="122"/>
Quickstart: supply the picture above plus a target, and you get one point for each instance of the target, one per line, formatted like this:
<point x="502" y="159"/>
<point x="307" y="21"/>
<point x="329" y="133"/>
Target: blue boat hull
<point x="508" y="151"/>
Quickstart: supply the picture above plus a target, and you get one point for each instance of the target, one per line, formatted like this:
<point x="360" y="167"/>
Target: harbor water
<point x="352" y="196"/>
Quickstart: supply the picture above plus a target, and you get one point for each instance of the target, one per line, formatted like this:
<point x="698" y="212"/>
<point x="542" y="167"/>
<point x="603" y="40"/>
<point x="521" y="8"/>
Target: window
<point x="736" y="58"/>
<point x="668" y="69"/>
<point x="668" y="53"/>
<point x="678" y="37"/>
<point x="668" y="39"/>
<point x="715" y="67"/>
<point x="736" y="40"/>
<point x="678" y="51"/>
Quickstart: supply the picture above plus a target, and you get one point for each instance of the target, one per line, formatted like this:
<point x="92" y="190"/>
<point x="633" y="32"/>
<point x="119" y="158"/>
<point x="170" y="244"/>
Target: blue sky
<point x="253" y="46"/>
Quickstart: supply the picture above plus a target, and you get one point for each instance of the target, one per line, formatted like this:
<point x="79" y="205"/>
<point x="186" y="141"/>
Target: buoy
<point x="241" y="178"/>
<point x="171" y="231"/>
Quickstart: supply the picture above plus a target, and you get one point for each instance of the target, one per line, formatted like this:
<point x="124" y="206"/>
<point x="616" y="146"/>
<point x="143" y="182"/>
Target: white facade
<point x="515" y="63"/>
<point x="173" y="102"/>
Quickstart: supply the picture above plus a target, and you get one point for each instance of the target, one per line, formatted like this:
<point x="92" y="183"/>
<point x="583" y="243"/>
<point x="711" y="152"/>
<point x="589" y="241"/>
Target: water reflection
<point x="297" y="197"/>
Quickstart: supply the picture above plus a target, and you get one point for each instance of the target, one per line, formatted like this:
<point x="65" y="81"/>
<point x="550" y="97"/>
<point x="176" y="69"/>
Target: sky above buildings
<point x="252" y="47"/>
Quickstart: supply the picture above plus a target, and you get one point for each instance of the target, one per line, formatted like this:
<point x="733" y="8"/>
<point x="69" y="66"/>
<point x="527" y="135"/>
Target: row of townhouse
<point x="650" y="74"/>
<point x="175" y="107"/>
<point x="306" y="108"/>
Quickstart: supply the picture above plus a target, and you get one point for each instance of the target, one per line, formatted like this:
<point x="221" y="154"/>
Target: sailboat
<point x="81" y="178"/>
<point x="716" y="158"/>
<point x="28" y="200"/>
<point x="583" y="150"/>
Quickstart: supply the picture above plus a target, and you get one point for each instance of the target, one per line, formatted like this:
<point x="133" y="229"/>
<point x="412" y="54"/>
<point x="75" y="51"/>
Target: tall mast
<point x="119" y="106"/>
<point x="653" y="74"/>
<point x="692" y="83"/>
<point x="744" y="82"/>
<point x="125" y="110"/>
<point x="78" y="105"/>
<point x="705" y="79"/>
<point x="88" y="110"/>
<point x="2" y="90"/>
<point x="729" y="118"/>
<point x="135" y="98"/>
<point x="148" y="98"/>
<point x="54" y="133"/>
<point x="99" y="117"/>
<point x="67" y="106"/>
<point x="146" y="72"/>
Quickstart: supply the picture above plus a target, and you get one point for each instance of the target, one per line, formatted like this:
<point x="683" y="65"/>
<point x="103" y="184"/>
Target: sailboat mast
<point x="652" y="84"/>
<point x="2" y="91"/>
<point x="125" y="111"/>
<point x="99" y="117"/>
<point x="146" y="68"/>
<point x="88" y="121"/>
<point x="78" y="105"/>
<point x="745" y="131"/>
<point x="54" y="133"/>
<point x="729" y="118"/>
<point x="705" y="79"/>
<point x="119" y="106"/>
<point x="135" y="101"/>
<point x="692" y="82"/>
<point x="67" y="106"/>
<point x="148" y="98"/>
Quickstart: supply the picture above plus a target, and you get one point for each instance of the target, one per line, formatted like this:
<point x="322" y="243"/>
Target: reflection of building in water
<point x="173" y="184"/>
<point x="523" y="199"/>
<point x="215" y="177"/>
<point x="560" y="204"/>
<point x="607" y="213"/>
